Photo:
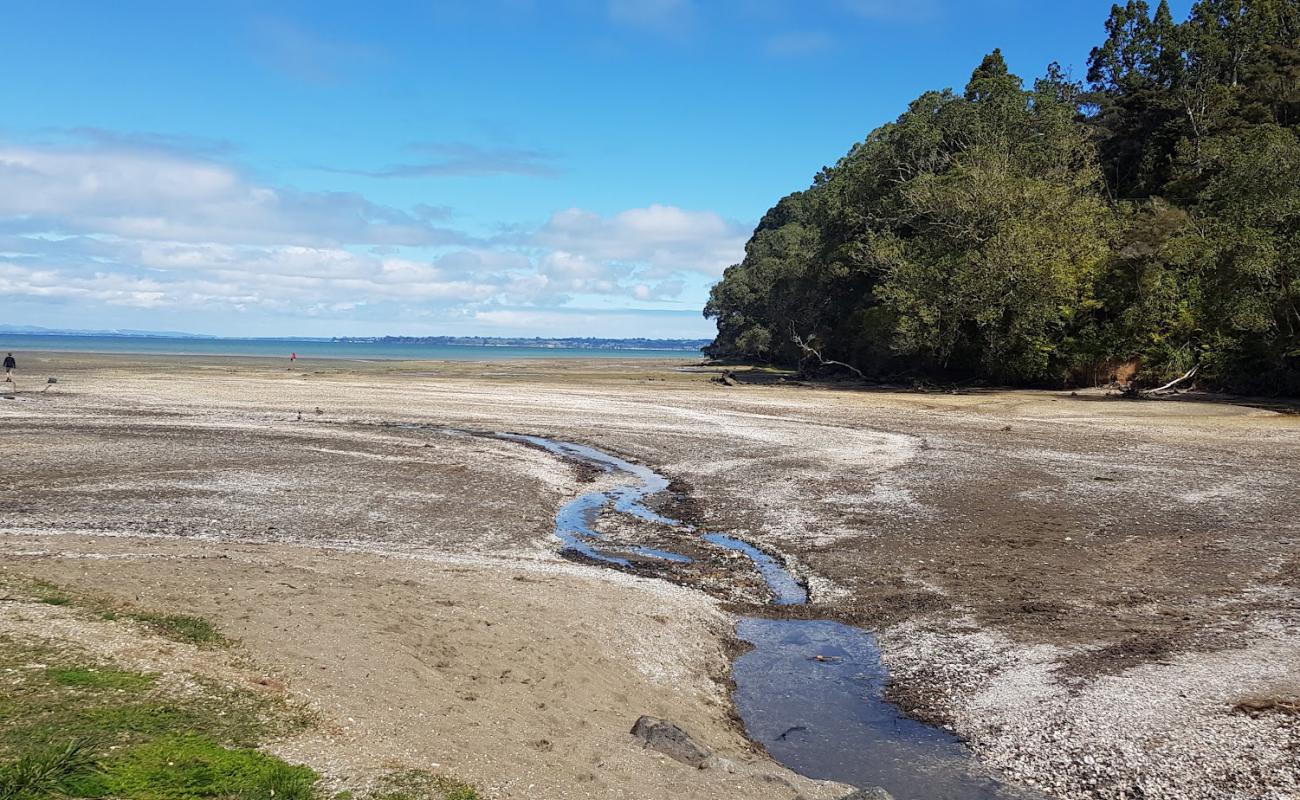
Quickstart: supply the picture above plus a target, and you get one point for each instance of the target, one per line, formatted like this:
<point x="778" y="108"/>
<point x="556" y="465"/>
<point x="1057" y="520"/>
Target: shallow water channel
<point x="810" y="691"/>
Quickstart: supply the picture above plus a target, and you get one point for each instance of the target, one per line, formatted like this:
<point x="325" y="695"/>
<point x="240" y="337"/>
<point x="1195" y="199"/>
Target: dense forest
<point x="1048" y="235"/>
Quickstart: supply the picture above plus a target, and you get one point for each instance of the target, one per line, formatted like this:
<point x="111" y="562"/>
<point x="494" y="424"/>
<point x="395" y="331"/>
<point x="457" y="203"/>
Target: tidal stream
<point x="810" y="691"/>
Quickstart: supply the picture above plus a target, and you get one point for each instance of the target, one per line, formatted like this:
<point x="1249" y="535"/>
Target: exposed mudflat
<point x="1102" y="597"/>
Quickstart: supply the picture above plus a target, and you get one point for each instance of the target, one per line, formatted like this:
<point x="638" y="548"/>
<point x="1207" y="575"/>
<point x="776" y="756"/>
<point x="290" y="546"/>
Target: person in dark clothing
<point x="10" y="366"/>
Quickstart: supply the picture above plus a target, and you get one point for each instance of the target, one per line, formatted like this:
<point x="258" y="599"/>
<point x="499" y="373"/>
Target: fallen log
<point x="1168" y="388"/>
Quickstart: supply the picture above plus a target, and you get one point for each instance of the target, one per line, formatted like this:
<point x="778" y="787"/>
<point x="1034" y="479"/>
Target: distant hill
<point x="577" y="343"/>
<point x="35" y="330"/>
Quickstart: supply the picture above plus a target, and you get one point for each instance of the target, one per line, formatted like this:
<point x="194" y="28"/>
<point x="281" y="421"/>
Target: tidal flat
<point x="1099" y="598"/>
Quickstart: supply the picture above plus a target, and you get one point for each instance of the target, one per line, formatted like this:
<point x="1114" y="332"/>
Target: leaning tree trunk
<point x="808" y="350"/>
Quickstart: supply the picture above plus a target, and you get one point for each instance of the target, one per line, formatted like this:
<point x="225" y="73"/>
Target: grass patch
<point x="51" y="696"/>
<point x="185" y="767"/>
<point x="191" y="630"/>
<point x="72" y="728"/>
<point x="418" y="784"/>
<point x="75" y="728"/>
<point x="178" y="627"/>
<point x="54" y="772"/>
<point x="100" y="678"/>
<point x="190" y="767"/>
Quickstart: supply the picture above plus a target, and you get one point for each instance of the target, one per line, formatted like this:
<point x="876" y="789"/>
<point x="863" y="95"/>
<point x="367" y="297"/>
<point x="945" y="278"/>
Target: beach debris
<point x="1259" y="706"/>
<point x="820" y="659"/>
<point x="1170" y="388"/>
<point x="669" y="739"/>
<point x="809" y="350"/>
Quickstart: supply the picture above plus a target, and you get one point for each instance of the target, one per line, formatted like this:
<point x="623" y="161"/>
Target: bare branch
<point x="1168" y="388"/>
<point x="810" y="350"/>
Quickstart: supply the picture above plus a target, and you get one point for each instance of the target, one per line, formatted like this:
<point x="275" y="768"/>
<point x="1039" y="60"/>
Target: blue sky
<point x="503" y="167"/>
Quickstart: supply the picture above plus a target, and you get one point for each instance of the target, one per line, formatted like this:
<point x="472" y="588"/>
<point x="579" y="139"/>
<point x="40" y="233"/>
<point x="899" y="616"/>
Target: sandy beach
<point x="1101" y="597"/>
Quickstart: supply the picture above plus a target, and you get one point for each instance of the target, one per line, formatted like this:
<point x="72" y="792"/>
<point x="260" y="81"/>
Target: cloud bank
<point x="111" y="223"/>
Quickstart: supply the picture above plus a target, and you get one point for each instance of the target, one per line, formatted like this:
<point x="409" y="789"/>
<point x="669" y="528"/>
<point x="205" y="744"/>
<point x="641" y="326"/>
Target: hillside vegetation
<point x="1045" y="235"/>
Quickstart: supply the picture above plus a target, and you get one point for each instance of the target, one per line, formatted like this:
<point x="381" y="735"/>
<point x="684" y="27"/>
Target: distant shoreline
<point x="382" y="348"/>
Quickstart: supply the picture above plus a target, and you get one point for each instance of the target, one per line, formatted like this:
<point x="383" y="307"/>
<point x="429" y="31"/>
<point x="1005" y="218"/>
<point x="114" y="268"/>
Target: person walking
<point x="10" y="366"/>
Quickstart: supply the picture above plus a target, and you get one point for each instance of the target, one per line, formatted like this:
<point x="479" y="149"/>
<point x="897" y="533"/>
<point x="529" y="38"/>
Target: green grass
<point x="178" y="627"/>
<point x="191" y="630"/>
<point x="190" y="767"/>
<point x="75" y="728"/>
<point x="52" y="772"/>
<point x="71" y="727"/>
<point x="50" y="696"/>
<point x="193" y="767"/>
<point x="173" y="767"/>
<point x="100" y="678"/>
<point x="421" y="785"/>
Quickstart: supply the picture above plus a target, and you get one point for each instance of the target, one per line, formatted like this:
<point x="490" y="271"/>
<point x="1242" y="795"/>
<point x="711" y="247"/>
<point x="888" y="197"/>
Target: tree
<point x="1251" y="204"/>
<point x="1004" y="244"/>
<point x="1046" y="235"/>
<point x="1130" y="52"/>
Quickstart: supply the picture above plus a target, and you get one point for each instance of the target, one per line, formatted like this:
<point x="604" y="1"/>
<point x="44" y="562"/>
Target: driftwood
<point x="810" y="350"/>
<point x="1169" y="388"/>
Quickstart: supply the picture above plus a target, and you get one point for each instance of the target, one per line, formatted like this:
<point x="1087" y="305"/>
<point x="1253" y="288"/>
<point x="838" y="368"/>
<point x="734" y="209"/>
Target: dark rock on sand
<point x="670" y="740"/>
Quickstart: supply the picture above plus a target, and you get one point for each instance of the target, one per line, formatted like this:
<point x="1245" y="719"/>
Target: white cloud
<point x="567" y="271"/>
<point x="588" y="322"/>
<point x="665" y="239"/>
<point x="164" y="195"/>
<point x="151" y="228"/>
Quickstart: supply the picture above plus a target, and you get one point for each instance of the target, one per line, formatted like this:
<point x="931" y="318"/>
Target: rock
<point x="672" y="741"/>
<point x="869" y="793"/>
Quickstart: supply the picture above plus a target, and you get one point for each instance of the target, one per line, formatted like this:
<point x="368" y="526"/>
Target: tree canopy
<point x="1044" y="235"/>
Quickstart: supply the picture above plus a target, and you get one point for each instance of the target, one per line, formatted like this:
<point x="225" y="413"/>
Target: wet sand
<point x="1083" y="588"/>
